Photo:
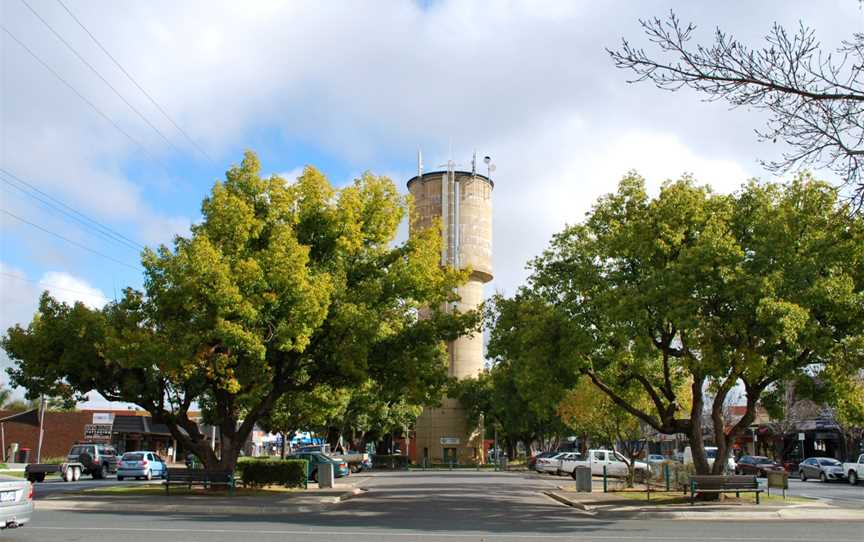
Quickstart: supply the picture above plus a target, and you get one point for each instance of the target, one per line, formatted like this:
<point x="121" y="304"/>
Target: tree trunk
<point x="697" y="444"/>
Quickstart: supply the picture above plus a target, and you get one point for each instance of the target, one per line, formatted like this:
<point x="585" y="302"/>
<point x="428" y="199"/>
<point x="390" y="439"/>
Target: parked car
<point x="16" y="502"/>
<point x="550" y="464"/>
<point x="655" y="461"/>
<point x="340" y="468"/>
<point x="824" y="468"/>
<point x="97" y="460"/>
<point x="143" y="464"/>
<point x="758" y="465"/>
<point x="532" y="461"/>
<point x="854" y="471"/>
<point x="710" y="456"/>
<point x="567" y="462"/>
<point x="615" y="464"/>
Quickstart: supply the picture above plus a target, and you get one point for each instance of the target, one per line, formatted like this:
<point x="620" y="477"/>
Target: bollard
<point x="605" y="487"/>
<point x="666" y="474"/>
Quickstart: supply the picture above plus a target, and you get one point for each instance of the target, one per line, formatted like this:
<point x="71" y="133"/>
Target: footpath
<point x="636" y="505"/>
<point x="289" y="502"/>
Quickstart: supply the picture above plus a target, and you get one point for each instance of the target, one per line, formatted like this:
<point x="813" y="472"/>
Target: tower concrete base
<point x="442" y="436"/>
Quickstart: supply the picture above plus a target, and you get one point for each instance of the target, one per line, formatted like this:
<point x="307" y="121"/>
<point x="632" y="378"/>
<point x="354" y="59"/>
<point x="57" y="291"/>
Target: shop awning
<point x="29" y="417"/>
<point x="143" y="425"/>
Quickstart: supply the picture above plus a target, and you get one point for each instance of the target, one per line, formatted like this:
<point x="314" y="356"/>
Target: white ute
<point x="854" y="471"/>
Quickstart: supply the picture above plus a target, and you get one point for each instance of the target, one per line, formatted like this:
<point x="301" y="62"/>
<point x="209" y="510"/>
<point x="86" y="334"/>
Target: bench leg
<point x="737" y="495"/>
<point x="757" y="497"/>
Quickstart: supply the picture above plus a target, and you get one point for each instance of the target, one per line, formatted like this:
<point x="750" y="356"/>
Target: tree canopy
<point x="693" y="288"/>
<point x="814" y="99"/>
<point x="281" y="288"/>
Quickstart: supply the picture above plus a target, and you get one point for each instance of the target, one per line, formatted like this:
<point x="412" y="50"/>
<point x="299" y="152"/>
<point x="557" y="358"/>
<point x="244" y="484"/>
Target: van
<point x="710" y="455"/>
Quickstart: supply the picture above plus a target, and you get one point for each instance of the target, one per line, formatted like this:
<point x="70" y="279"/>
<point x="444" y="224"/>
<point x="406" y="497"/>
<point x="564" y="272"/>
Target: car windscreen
<point x="761" y="459"/>
<point x="710" y="454"/>
<point x="829" y="462"/>
<point x="133" y="457"/>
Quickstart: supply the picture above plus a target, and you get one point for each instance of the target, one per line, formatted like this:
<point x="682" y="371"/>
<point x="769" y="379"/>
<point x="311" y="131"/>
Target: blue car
<point x="340" y="468"/>
<point x="138" y="465"/>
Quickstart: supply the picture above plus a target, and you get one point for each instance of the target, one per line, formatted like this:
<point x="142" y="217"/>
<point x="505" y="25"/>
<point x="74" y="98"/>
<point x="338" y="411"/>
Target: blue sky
<point x="347" y="87"/>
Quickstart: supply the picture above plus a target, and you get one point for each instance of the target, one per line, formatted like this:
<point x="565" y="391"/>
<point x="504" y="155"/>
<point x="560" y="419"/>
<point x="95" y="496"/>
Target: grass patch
<point x="159" y="489"/>
<point x="13" y="473"/>
<point x="677" y="497"/>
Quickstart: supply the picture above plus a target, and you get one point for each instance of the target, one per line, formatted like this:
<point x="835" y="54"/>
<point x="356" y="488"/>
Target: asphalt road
<point x="53" y="486"/>
<point x="840" y="493"/>
<point x="427" y="507"/>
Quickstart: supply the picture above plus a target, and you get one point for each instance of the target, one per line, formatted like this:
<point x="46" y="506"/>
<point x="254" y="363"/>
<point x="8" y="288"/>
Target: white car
<point x="710" y="455"/>
<point x="570" y="461"/>
<point x="549" y="464"/>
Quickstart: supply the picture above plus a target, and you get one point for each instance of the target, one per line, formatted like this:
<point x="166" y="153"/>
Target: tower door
<point x="450" y="456"/>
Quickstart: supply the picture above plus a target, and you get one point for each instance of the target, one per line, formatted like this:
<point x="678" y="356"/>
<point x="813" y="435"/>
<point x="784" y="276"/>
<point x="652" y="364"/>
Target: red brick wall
<point x="62" y="429"/>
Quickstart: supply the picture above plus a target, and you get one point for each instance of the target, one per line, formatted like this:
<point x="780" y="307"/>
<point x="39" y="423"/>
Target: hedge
<point x="267" y="472"/>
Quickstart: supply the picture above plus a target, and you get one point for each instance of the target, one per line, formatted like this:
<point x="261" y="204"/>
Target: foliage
<point x="814" y="100"/>
<point x="280" y="289"/>
<point x="692" y="288"/>
<point x="305" y="410"/>
<point x="269" y="472"/>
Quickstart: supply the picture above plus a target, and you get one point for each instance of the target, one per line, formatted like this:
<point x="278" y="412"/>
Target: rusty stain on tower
<point x="462" y="200"/>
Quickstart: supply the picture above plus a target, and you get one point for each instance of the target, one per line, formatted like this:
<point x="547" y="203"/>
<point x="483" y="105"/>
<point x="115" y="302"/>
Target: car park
<point x="823" y="468"/>
<point x="568" y="462"/>
<point x="757" y="465"/>
<point x="143" y="464"/>
<point x="16" y="502"/>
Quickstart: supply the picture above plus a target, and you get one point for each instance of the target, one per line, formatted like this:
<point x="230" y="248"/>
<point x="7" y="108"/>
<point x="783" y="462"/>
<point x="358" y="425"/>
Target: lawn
<point x="159" y="489"/>
<point x="677" y="497"/>
<point x="13" y="473"/>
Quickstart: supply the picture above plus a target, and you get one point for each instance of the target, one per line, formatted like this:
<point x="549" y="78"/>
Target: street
<point x="837" y="492"/>
<point x="427" y="506"/>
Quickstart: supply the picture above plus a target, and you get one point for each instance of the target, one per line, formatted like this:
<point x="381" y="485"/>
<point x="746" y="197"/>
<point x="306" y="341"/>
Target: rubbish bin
<point x="24" y="455"/>
<point x="325" y="475"/>
<point x="582" y="475"/>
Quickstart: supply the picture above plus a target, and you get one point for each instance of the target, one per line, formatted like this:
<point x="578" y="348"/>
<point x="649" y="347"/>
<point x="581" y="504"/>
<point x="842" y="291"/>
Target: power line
<point x="134" y="82"/>
<point x="84" y="99"/>
<point x="99" y="75"/>
<point x="73" y="214"/>
<point x="70" y="241"/>
<point x="53" y="286"/>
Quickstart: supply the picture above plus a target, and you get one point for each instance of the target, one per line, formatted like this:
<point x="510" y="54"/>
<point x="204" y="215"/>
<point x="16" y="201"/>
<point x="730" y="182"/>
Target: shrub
<point x="266" y="472"/>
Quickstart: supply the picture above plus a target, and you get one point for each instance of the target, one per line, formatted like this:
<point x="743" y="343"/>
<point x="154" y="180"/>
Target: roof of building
<point x="457" y="172"/>
<point x="139" y="424"/>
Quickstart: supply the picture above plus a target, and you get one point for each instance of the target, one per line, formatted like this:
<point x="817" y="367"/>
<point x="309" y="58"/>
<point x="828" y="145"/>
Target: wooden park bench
<point x="724" y="484"/>
<point x="199" y="477"/>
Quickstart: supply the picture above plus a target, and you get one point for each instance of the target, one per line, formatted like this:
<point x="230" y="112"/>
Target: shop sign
<point x="450" y="441"/>
<point x="103" y="418"/>
<point x="97" y="432"/>
<point x="801" y="436"/>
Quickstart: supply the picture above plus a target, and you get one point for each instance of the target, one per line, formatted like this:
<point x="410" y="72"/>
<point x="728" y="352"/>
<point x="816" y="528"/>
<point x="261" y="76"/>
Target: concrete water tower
<point x="462" y="200"/>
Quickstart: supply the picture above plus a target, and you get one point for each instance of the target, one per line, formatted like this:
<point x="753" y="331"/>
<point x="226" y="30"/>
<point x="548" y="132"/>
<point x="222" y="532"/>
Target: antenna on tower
<point x="419" y="163"/>
<point x="474" y="164"/>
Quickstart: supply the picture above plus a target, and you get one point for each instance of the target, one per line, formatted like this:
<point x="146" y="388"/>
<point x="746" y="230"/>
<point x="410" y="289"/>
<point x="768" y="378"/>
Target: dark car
<point x="823" y="468"/>
<point x="758" y="465"/>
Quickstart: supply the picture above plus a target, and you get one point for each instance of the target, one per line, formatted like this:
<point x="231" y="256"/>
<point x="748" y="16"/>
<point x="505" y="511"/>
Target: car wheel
<point x="149" y="475"/>
<point x="103" y="472"/>
<point x="69" y="474"/>
<point x="853" y="477"/>
<point x="76" y="474"/>
<point x="802" y="475"/>
<point x="822" y="477"/>
<point x="119" y="478"/>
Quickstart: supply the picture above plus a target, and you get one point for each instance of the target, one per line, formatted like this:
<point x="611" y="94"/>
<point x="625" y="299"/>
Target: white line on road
<point x="416" y="534"/>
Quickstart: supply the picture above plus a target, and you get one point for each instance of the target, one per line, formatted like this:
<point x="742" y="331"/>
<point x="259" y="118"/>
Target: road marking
<point x="426" y="534"/>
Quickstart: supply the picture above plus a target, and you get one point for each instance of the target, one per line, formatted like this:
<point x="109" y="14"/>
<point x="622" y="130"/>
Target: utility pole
<point x="41" y="428"/>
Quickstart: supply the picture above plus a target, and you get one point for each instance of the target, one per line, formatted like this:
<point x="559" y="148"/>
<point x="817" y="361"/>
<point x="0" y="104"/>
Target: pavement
<point x="406" y="506"/>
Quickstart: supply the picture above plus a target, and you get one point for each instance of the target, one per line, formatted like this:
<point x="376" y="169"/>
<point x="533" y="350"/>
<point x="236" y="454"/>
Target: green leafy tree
<point x="692" y="287"/>
<point x="280" y="289"/>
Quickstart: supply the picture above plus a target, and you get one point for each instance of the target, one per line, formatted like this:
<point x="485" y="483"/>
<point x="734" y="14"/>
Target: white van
<point x="710" y="455"/>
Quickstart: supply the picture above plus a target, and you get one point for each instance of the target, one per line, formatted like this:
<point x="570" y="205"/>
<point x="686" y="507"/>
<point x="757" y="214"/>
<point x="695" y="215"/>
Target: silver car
<point x="16" y="502"/>
<point x="823" y="468"/>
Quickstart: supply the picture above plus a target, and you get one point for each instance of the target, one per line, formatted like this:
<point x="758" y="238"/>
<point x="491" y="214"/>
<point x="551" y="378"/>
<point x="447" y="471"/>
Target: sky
<point x="347" y="87"/>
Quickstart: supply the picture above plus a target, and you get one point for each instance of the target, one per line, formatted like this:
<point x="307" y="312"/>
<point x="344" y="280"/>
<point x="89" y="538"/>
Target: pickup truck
<point x="97" y="460"/>
<point x="357" y="462"/>
<point x="854" y="471"/>
<point x="615" y="463"/>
